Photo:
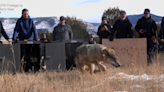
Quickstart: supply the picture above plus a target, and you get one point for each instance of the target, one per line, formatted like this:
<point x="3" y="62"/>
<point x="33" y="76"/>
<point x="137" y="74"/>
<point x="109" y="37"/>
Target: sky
<point x="87" y="10"/>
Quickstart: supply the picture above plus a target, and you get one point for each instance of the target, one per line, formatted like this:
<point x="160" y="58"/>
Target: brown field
<point x="122" y="79"/>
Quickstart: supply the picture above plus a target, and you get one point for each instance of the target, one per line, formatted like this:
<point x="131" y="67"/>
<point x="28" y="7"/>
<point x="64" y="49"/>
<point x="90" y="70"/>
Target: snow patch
<point x="143" y="77"/>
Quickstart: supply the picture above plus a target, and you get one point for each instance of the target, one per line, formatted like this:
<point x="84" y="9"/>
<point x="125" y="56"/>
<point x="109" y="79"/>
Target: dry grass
<point x="74" y="81"/>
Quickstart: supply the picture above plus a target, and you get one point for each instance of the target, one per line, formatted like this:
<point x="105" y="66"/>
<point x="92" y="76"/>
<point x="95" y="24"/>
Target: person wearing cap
<point x="62" y="31"/>
<point x="161" y="33"/>
<point x="123" y="27"/>
<point x="104" y="30"/>
<point x="91" y="41"/>
<point x="146" y="28"/>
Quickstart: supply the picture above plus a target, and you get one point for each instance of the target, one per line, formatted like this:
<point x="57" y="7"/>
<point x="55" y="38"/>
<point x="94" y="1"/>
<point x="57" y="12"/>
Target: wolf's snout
<point x="118" y="66"/>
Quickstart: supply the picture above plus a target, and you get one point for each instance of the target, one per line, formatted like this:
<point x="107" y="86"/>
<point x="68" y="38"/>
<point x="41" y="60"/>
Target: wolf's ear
<point x="111" y="51"/>
<point x="103" y="53"/>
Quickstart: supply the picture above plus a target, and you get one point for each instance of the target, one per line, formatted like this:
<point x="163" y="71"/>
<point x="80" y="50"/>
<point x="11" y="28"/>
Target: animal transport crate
<point x="130" y="51"/>
<point x="60" y="54"/>
<point x="10" y="55"/>
<point x="57" y="55"/>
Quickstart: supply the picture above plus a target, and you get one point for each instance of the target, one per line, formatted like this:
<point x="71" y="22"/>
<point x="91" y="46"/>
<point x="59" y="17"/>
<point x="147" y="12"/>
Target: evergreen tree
<point x="79" y="28"/>
<point x="112" y="15"/>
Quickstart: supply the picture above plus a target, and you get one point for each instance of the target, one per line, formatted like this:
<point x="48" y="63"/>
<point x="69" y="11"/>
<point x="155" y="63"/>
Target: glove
<point x="14" y="41"/>
<point x="103" y="28"/>
<point x="110" y="38"/>
<point x="153" y="38"/>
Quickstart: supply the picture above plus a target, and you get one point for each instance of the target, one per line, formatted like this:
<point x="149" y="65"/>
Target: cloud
<point x="89" y="10"/>
<point x="88" y="2"/>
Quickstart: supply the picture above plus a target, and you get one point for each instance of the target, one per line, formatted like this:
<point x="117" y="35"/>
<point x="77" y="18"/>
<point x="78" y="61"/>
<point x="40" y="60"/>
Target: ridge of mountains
<point x="134" y="18"/>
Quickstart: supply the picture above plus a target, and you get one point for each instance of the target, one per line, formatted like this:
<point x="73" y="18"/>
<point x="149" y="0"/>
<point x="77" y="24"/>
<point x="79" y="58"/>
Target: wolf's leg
<point x="82" y="68"/>
<point x="92" y="68"/>
<point x="101" y="67"/>
<point x="97" y="63"/>
<point x="79" y="65"/>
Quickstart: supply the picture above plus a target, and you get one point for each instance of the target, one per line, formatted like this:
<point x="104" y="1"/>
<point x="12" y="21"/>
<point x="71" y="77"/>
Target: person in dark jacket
<point x="25" y="30"/>
<point x="45" y="39"/>
<point x="2" y="31"/>
<point x="161" y="33"/>
<point x="146" y="28"/>
<point x="123" y="27"/>
<point x="62" y="31"/>
<point x="104" y="30"/>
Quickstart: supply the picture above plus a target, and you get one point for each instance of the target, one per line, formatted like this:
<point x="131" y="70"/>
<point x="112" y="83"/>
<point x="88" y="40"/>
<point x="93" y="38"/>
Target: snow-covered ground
<point x="139" y="78"/>
<point x="143" y="77"/>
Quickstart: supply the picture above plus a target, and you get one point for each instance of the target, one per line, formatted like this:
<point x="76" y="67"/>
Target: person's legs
<point x="23" y="53"/>
<point x="100" y="40"/>
<point x="28" y="50"/>
<point x="150" y="45"/>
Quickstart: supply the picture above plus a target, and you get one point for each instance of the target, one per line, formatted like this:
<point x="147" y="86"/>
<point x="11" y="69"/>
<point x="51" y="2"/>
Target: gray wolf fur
<point x="88" y="56"/>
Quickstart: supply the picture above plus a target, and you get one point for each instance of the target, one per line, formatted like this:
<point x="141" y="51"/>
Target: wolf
<point x="90" y="56"/>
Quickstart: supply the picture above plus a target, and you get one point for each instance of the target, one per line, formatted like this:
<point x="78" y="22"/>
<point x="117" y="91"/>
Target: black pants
<point x="26" y="51"/>
<point x="150" y="46"/>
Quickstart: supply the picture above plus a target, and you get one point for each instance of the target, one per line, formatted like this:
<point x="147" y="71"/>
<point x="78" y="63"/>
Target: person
<point x="123" y="27"/>
<point x="104" y="30"/>
<point x="44" y="38"/>
<point x="2" y="31"/>
<point x="62" y="31"/>
<point x="146" y="28"/>
<point x="25" y="30"/>
<point x="91" y="41"/>
<point x="161" y="33"/>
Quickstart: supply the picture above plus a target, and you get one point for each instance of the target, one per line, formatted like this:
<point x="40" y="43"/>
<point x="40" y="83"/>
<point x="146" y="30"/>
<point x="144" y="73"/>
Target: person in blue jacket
<point x="25" y="30"/>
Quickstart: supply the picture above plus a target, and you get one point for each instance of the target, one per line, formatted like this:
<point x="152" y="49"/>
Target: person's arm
<point x="109" y="29"/>
<point x="137" y="27"/>
<point x="48" y="40"/>
<point x="160" y="33"/>
<point x="113" y="30"/>
<point x="154" y="28"/>
<point x="54" y="34"/>
<point x="16" y="30"/>
<point x="130" y="30"/>
<point x="70" y="33"/>
<point x="34" y="31"/>
<point x="3" y="32"/>
<point x="99" y="32"/>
